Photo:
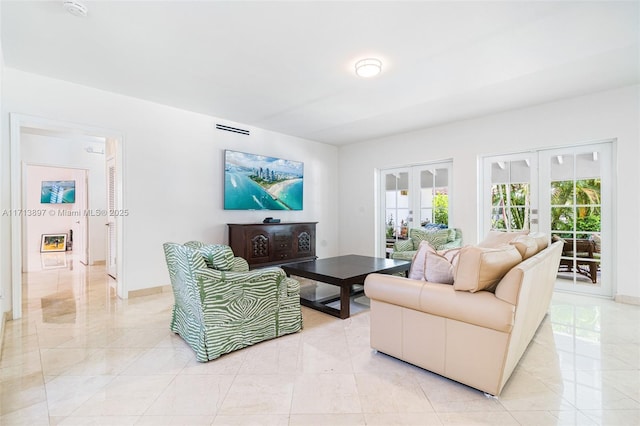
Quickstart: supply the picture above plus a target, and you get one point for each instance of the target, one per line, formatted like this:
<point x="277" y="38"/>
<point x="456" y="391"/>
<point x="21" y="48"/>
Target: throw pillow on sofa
<point x="439" y="265"/>
<point x="433" y="266"/>
<point x="416" y="272"/>
<point x="482" y="268"/>
<point x="526" y="245"/>
<point x="541" y="239"/>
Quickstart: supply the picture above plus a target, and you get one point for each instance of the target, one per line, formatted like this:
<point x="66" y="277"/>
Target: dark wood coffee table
<point x="344" y="272"/>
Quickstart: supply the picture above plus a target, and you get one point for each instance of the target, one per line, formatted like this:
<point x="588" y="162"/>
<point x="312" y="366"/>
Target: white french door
<point x="412" y="197"/>
<point x="565" y="193"/>
<point x="578" y="199"/>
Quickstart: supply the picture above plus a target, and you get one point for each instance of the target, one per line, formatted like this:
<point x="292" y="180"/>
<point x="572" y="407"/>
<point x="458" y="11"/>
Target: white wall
<point x="5" y="249"/>
<point x="607" y="115"/>
<point x="173" y="169"/>
<point x="34" y="225"/>
<point x="69" y="151"/>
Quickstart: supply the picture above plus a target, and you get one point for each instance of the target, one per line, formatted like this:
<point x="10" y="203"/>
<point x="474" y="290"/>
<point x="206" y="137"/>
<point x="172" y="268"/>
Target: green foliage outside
<point x="441" y="208"/>
<point x="510" y="206"/>
<point x="587" y="202"/>
<point x="390" y="227"/>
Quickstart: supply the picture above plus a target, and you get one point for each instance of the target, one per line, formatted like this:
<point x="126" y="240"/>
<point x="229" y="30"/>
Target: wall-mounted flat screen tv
<point x="58" y="192"/>
<point x="256" y="182"/>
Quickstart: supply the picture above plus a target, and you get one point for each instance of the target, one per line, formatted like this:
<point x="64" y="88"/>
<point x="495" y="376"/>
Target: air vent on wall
<point x="232" y="129"/>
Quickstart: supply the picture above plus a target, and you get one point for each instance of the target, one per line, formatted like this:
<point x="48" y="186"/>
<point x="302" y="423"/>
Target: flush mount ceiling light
<point x="75" y="8"/>
<point x="368" y="67"/>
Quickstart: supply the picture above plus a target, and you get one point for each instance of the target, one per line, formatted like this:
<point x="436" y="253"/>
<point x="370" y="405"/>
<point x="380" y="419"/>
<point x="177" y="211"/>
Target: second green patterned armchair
<point x="438" y="238"/>
<point x="220" y="306"/>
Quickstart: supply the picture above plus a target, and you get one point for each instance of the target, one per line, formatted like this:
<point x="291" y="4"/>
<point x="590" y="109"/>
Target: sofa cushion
<point x="499" y="238"/>
<point x="526" y="245"/>
<point x="481" y="268"/>
<point x="439" y="265"/>
<point x="436" y="237"/>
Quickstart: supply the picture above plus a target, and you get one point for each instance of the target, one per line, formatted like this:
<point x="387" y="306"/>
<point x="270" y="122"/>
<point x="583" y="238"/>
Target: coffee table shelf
<point x="345" y="272"/>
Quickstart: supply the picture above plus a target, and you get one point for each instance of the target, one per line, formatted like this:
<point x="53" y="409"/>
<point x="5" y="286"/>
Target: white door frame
<point x="414" y="209"/>
<point x="17" y="122"/>
<point x="541" y="205"/>
<point x="605" y="287"/>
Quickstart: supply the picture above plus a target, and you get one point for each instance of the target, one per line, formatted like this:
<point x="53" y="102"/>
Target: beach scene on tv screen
<point x="59" y="191"/>
<point x="255" y="182"/>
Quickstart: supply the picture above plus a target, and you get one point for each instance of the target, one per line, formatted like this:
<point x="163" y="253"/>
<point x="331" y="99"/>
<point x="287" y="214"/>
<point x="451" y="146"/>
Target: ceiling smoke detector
<point x="75" y="8"/>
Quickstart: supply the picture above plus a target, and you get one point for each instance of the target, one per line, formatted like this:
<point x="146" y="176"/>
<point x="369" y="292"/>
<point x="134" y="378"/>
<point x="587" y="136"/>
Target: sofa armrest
<point x="393" y="289"/>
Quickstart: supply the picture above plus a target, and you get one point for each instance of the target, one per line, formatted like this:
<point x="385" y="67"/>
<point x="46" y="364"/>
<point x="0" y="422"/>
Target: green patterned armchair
<point x="221" y="306"/>
<point x="440" y="239"/>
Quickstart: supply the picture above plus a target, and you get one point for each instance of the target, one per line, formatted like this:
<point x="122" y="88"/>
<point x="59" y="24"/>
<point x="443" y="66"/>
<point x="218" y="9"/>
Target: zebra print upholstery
<point x="217" y="312"/>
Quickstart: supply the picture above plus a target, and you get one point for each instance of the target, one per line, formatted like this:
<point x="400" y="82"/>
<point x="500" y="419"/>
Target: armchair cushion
<point x="436" y="238"/>
<point x="217" y="256"/>
<point x="439" y="239"/>
<point x="403" y="245"/>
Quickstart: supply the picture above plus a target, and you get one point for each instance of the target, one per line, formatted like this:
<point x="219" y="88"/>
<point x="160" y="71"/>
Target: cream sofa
<point x="473" y="337"/>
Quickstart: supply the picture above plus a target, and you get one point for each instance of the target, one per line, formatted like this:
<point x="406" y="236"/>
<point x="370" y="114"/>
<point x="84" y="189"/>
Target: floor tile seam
<point x="293" y="391"/>
<point x="442" y="415"/>
<point x="416" y="384"/>
<point x="222" y="399"/>
<point x="615" y="385"/>
<point x="104" y="386"/>
<point x="44" y="385"/>
<point x="597" y="420"/>
<point x="425" y="394"/>
<point x="548" y="389"/>
<point x="553" y="413"/>
<point x="152" y="403"/>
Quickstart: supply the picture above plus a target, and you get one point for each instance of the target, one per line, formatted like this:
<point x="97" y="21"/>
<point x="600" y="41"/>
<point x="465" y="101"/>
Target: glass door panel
<point x="396" y="205"/>
<point x="434" y="197"/>
<point x="579" y="213"/>
<point x="511" y="182"/>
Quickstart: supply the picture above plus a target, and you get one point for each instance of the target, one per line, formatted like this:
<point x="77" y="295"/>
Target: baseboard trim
<point x="629" y="300"/>
<point x="150" y="291"/>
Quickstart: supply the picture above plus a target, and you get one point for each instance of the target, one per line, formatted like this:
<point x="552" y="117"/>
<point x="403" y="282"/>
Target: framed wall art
<point x="53" y="242"/>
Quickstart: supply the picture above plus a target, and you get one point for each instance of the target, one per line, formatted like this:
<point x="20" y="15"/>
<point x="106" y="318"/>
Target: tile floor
<point x="82" y="357"/>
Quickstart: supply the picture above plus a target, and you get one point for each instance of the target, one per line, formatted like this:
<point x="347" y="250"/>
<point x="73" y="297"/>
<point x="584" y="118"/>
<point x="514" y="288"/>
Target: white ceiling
<point x="288" y="66"/>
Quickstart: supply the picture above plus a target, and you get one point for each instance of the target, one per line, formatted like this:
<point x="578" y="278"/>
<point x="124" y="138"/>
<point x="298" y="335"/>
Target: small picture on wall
<point x="53" y="242"/>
